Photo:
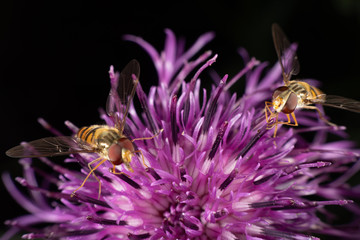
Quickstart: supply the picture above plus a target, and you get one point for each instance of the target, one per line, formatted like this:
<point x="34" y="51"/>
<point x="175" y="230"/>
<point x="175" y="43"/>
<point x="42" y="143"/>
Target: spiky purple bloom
<point x="215" y="172"/>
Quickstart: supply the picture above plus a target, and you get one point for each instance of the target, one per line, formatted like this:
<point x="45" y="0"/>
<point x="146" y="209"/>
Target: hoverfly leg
<point x="275" y="130"/>
<point x="270" y="117"/>
<point x="289" y="123"/>
<point x="90" y="168"/>
<point x="142" y="156"/>
<point x="118" y="173"/>
<point x="148" y="138"/>
<point x="321" y="116"/>
<point x="295" y="121"/>
<point x="276" y="126"/>
<point x="268" y="110"/>
<point x="91" y="172"/>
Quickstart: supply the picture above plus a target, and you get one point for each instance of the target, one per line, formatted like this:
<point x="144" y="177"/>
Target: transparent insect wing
<point x="342" y="103"/>
<point x="48" y="147"/>
<point x="122" y="93"/>
<point x="287" y="56"/>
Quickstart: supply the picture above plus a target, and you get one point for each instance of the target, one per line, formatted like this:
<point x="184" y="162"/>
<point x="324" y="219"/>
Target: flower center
<point x="182" y="218"/>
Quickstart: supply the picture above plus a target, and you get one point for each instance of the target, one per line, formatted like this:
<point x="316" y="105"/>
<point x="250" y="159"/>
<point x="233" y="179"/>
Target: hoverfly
<point x="295" y="93"/>
<point x="108" y="142"/>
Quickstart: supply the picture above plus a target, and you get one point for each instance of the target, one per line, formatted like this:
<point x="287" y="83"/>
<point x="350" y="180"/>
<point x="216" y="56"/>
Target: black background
<point x="56" y="57"/>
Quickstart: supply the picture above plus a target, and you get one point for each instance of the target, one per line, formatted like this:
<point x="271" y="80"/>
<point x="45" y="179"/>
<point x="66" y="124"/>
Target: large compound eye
<point x="115" y="154"/>
<point x="290" y="104"/>
<point x="278" y="91"/>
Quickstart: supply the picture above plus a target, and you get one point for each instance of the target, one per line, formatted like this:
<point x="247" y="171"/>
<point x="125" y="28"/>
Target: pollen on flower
<point x="212" y="169"/>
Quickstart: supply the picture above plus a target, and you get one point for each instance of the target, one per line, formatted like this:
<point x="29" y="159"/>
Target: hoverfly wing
<point x="48" y="147"/>
<point x="342" y="103"/>
<point x="121" y="96"/>
<point x="287" y="56"/>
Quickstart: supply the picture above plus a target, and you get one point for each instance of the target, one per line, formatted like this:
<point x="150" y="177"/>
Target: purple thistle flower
<point x="214" y="171"/>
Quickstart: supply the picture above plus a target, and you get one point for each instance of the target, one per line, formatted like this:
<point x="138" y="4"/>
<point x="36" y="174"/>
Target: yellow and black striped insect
<point x="297" y="94"/>
<point x="108" y="142"/>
